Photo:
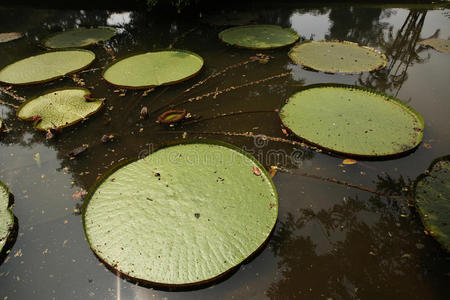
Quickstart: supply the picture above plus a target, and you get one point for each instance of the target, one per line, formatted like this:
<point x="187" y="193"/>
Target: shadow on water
<point x="330" y="241"/>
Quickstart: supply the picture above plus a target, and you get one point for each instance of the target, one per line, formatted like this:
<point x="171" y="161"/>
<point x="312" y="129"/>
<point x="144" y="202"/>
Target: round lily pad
<point x="352" y="120"/>
<point x="9" y="36"/>
<point x="184" y="215"/>
<point x="80" y="37"/>
<point x="46" y="67"/>
<point x="333" y="57"/>
<point x="59" y="108"/>
<point x="259" y="36"/>
<point x="432" y="196"/>
<point x="6" y="216"/>
<point x="153" y="69"/>
<point x="440" y="45"/>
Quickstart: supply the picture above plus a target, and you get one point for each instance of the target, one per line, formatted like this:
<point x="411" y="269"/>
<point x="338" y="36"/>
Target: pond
<point x="363" y="239"/>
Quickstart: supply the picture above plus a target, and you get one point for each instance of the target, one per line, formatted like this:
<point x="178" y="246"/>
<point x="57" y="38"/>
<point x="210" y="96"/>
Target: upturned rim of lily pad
<point x="151" y="86"/>
<point x="308" y="67"/>
<point x="161" y="146"/>
<point x="345" y="154"/>
<point x="416" y="182"/>
<point x="15" y="36"/>
<point x="8" y="238"/>
<point x="45" y="41"/>
<point x="55" y="77"/>
<point x="258" y="48"/>
<point x="88" y="99"/>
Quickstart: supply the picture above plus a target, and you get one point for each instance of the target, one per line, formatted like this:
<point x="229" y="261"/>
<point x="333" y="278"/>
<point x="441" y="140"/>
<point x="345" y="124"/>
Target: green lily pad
<point x="184" y="215"/>
<point x="259" y="36"/>
<point x="440" y="45"/>
<point x="46" y="67"/>
<point x="432" y="196"/>
<point x="333" y="57"/>
<point x="153" y="69"/>
<point x="59" y="108"/>
<point x="352" y="120"/>
<point x="6" y="216"/>
<point x="9" y="36"/>
<point x="80" y="37"/>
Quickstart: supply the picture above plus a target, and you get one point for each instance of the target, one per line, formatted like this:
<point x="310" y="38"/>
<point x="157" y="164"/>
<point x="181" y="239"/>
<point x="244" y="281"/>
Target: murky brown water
<point x="331" y="241"/>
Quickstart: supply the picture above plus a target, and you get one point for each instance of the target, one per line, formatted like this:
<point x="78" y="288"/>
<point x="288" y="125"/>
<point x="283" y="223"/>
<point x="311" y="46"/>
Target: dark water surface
<point x="330" y="242"/>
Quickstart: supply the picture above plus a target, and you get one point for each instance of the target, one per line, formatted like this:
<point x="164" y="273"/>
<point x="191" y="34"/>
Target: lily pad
<point x="186" y="214"/>
<point x="440" y="45"/>
<point x="9" y="36"/>
<point x="333" y="57"/>
<point x="6" y="216"/>
<point x="153" y="69"/>
<point x="259" y="36"/>
<point x="46" y="67"/>
<point x="432" y="196"/>
<point x="352" y="120"/>
<point x="80" y="37"/>
<point x="59" y="108"/>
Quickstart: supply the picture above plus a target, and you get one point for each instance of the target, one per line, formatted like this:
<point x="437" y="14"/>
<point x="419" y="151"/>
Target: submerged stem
<point x="11" y="94"/>
<point x="228" y="115"/>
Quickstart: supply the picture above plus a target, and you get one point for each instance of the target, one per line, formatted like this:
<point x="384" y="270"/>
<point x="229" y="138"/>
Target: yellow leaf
<point x="349" y="161"/>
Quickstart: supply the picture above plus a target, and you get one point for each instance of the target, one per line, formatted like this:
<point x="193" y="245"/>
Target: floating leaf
<point x="46" y="67"/>
<point x="183" y="215"/>
<point x="259" y="36"/>
<point x="332" y="57"/>
<point x="349" y="161"/>
<point x="59" y="108"/>
<point x="432" y="196"/>
<point x="6" y="216"/>
<point x="440" y="45"/>
<point x="9" y="36"/>
<point x="352" y="121"/>
<point x="80" y="37"/>
<point x="172" y="116"/>
<point x="153" y="69"/>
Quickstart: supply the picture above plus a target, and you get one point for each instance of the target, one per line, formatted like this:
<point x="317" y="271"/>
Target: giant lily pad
<point x="440" y="45"/>
<point x="46" y="66"/>
<point x="432" y="195"/>
<point x="59" y="108"/>
<point x="183" y="215"/>
<point x="153" y="69"/>
<point x="352" y="120"/>
<point x="6" y="216"/>
<point x="259" y="36"/>
<point x="80" y="37"/>
<point x="332" y="57"/>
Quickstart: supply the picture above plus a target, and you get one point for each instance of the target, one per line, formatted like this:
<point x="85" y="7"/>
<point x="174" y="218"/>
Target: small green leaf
<point x="153" y="69"/>
<point x="46" y="67"/>
<point x="352" y="120"/>
<point x="185" y="214"/>
<point x="259" y="36"/>
<point x="432" y="196"/>
<point x="59" y="108"/>
<point x="333" y="57"/>
<point x="80" y="37"/>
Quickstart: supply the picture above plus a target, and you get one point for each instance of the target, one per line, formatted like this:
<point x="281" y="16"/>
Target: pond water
<point x="331" y="241"/>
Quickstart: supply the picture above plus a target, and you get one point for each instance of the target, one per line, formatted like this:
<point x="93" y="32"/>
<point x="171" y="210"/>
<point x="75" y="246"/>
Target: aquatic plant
<point x="432" y="199"/>
<point x="352" y="120"/>
<point x="185" y="214"/>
